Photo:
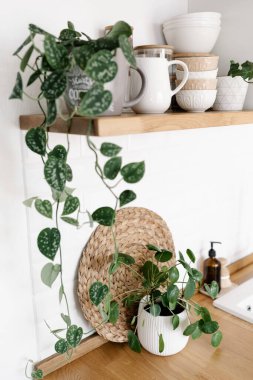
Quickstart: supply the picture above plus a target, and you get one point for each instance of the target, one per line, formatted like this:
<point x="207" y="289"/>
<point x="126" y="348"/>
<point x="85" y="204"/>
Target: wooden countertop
<point x="233" y="360"/>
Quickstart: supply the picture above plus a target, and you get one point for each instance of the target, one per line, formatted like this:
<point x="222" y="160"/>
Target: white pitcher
<point x="157" y="93"/>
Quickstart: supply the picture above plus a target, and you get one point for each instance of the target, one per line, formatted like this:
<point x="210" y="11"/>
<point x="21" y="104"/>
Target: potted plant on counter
<point x="232" y="89"/>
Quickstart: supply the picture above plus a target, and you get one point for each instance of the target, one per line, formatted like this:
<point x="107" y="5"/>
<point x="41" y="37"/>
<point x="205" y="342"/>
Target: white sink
<point x="238" y="301"/>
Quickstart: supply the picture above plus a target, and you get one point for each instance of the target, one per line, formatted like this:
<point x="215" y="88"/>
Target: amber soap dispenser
<point x="212" y="267"/>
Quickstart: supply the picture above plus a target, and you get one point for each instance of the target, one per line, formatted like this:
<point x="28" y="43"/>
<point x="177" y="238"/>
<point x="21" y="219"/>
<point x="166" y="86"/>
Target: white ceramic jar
<point x="231" y="94"/>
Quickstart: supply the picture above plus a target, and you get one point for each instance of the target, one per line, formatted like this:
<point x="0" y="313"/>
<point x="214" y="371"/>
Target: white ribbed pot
<point x="149" y="328"/>
<point x="231" y="94"/>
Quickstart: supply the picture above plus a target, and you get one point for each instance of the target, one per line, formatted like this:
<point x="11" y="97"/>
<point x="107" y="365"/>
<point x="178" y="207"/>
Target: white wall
<point x="22" y="313"/>
<point x="235" y="40"/>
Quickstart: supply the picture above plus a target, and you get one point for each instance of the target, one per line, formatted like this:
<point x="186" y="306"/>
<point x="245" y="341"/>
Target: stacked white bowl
<point x="193" y="32"/>
<point x="199" y="92"/>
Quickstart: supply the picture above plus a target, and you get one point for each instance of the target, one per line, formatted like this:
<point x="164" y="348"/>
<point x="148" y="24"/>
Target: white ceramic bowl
<point x="199" y="15"/>
<point x="192" y="22"/>
<point x="209" y="74"/>
<point x="196" y="100"/>
<point x="192" y="38"/>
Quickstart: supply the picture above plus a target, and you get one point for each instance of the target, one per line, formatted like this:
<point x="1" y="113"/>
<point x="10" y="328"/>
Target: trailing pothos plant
<point x="50" y="61"/>
<point x="244" y="70"/>
<point x="163" y="293"/>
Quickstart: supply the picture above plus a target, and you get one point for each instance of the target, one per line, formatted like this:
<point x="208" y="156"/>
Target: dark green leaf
<point x="26" y="42"/>
<point x="191" y="255"/>
<point x="175" y="321"/>
<point x="155" y="309"/>
<point x="208" y="327"/>
<point x="59" y="151"/>
<point x="68" y="35"/>
<point x="133" y="172"/>
<point x="114" y="312"/>
<point x="51" y="112"/>
<point x="17" y="92"/>
<point x="72" y="221"/>
<point x="189" y="289"/>
<point x="54" y="85"/>
<point x="50" y="273"/>
<point x="119" y="28"/>
<point x="44" y="208"/>
<point x="34" y="77"/>
<point x="61" y="346"/>
<point x="29" y="202"/>
<point x="196" y="333"/>
<point x="104" y="216"/>
<point x="35" y="29"/>
<point x="55" y="173"/>
<point x="36" y="140"/>
<point x="172" y="293"/>
<point x="110" y="149"/>
<point x="205" y="314"/>
<point x="133" y="341"/>
<point x="101" y="68"/>
<point x="66" y="319"/>
<point x="48" y="242"/>
<point x="150" y="271"/>
<point x="165" y="300"/>
<point x="126" y="259"/>
<point x="69" y="174"/>
<point x="163" y="256"/>
<point x="161" y="343"/>
<point x="127" y="50"/>
<point x="97" y="292"/>
<point x="126" y="197"/>
<point x="212" y="290"/>
<point x="196" y="275"/>
<point x="38" y="374"/>
<point x="82" y="54"/>
<point x="216" y="338"/>
<point x="186" y="267"/>
<point x="112" y="167"/>
<point x="181" y="257"/>
<point x="152" y="247"/>
<point x="173" y="274"/>
<point x="95" y="101"/>
<point x="74" y="335"/>
<point x="56" y="54"/>
<point x="113" y="267"/>
<point x="191" y="328"/>
<point x="26" y="57"/>
<point x="71" y="204"/>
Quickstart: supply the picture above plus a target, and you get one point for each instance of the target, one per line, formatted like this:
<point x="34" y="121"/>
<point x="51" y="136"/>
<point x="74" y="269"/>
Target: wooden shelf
<point x="138" y="123"/>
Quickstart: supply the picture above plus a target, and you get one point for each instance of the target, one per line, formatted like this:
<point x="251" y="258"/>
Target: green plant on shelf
<point x="244" y="70"/>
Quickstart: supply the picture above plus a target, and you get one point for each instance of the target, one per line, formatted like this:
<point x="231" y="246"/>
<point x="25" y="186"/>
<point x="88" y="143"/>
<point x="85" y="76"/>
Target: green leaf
<point x="82" y="54"/>
<point x="155" y="309"/>
<point x="205" y="314"/>
<point x="152" y="247"/>
<point x="196" y="333"/>
<point x="113" y="267"/>
<point x="126" y="259"/>
<point x="95" y="101"/>
<point x="133" y="172"/>
<point x="74" y="335"/>
<point x="55" y="173"/>
<point x="54" y="85"/>
<point x="71" y="25"/>
<point x="112" y="167"/>
<point x="150" y="271"/>
<point x="191" y="255"/>
<point x="69" y="174"/>
<point x="56" y="54"/>
<point x="175" y="321"/>
<point x="61" y="346"/>
<point x="61" y="196"/>
<point x="196" y="275"/>
<point x="66" y="319"/>
<point x="50" y="273"/>
<point x="101" y="68"/>
<point x="51" y="112"/>
<point x="44" y="208"/>
<point x="35" y="75"/>
<point x="173" y="274"/>
<point x="38" y="374"/>
<point x="119" y="28"/>
<point x="186" y="267"/>
<point x="29" y="202"/>
<point x="97" y="292"/>
<point x="172" y="293"/>
<point x="59" y="151"/>
<point x="17" y="92"/>
<point x="104" y="216"/>
<point x="71" y="204"/>
<point x="190" y="329"/>
<point x="68" y="35"/>
<point x="189" y="289"/>
<point x="36" y="140"/>
<point x="126" y="197"/>
<point x="48" y="242"/>
<point x="163" y="256"/>
<point x="161" y="343"/>
<point x="216" y="338"/>
<point x="35" y="29"/>
<point x="127" y="50"/>
<point x="208" y="327"/>
<point x="26" y="57"/>
<point x="61" y="292"/>
<point x="114" y="312"/>
<point x="26" y="42"/>
<point x="212" y="290"/>
<point x="130" y="300"/>
<point x="133" y="341"/>
<point x="109" y="149"/>
<point x="72" y="221"/>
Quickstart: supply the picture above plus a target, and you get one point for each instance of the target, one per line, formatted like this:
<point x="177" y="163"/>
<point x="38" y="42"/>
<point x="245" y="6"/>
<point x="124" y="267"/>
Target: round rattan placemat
<point x="135" y="227"/>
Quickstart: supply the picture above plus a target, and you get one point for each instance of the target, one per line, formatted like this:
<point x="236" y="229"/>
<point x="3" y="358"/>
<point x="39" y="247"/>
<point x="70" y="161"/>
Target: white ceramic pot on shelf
<point x="149" y="328"/>
<point x="231" y="94"/>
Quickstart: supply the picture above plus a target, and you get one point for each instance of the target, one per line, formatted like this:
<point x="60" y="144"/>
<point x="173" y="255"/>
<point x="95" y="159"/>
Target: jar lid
<point x="144" y="47"/>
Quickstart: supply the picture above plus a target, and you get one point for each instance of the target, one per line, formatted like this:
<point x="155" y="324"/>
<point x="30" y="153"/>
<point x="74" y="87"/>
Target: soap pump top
<point x="212" y="252"/>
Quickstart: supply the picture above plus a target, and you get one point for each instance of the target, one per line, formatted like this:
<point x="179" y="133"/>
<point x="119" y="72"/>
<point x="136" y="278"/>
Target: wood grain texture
<point x="198" y="361"/>
<point x="136" y="123"/>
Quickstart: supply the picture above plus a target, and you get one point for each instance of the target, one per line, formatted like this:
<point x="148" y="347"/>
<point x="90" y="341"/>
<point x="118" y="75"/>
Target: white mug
<point x="157" y="93"/>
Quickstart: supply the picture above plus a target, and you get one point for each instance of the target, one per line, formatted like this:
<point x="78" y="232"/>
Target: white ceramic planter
<point x="149" y="328"/>
<point x="231" y="93"/>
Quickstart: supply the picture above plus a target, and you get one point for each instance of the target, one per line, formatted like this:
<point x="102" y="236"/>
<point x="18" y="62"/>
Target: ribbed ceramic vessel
<point x="231" y="93"/>
<point x="149" y="328"/>
<point x="196" y="100"/>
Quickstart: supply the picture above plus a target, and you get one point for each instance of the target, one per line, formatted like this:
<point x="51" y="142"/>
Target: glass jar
<point x="160" y="51"/>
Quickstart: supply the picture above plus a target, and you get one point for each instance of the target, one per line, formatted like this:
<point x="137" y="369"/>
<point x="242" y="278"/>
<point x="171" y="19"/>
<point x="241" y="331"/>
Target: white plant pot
<point x="231" y="93"/>
<point x="149" y="328"/>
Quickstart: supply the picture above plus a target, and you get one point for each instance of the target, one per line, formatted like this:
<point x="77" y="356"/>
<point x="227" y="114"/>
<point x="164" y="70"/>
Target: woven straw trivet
<point x="135" y="227"/>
